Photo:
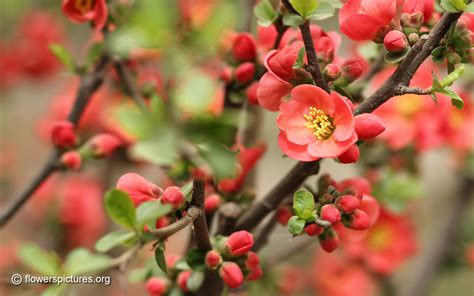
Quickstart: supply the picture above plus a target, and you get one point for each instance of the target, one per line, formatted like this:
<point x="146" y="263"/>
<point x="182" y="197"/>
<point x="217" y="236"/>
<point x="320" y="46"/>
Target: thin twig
<point x="130" y="87"/>
<point x="192" y="214"/>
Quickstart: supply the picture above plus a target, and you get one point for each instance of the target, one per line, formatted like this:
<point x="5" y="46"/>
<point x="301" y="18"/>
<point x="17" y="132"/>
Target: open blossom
<point x="315" y="125"/>
<point x="80" y="11"/>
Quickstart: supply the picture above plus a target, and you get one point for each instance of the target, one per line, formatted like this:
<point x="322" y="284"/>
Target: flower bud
<point x="251" y="93"/>
<point x="71" y="160"/>
<point x="368" y="126"/>
<point x="330" y="213"/>
<point x="347" y="203"/>
<point x="240" y="243"/>
<point x="231" y="275"/>
<point x="213" y="259"/>
<point x="174" y="196"/>
<point x="171" y="260"/>
<point x="360" y="185"/>
<point x="103" y="145"/>
<point x="138" y="188"/>
<point x="156" y="286"/>
<point x="244" y="47"/>
<point x="63" y="134"/>
<point x="252" y="260"/>
<point x="244" y="72"/>
<point x="332" y="72"/>
<point x="413" y="38"/>
<point x="325" y="49"/>
<point x="358" y="220"/>
<point x="182" y="280"/>
<point x="212" y="202"/>
<point x="283" y="215"/>
<point x="313" y="230"/>
<point x="411" y="23"/>
<point x="395" y="41"/>
<point x="351" y="70"/>
<point x="255" y="273"/>
<point x="351" y="155"/>
<point x="162" y="222"/>
<point x="226" y="74"/>
<point x="329" y="241"/>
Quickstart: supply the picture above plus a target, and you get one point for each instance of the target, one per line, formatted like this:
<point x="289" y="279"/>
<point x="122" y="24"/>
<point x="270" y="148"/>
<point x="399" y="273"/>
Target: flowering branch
<point x="89" y="84"/>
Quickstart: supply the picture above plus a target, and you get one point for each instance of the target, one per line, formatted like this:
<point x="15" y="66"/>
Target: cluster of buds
<point x="64" y="137"/>
<point x="344" y="74"/>
<point x="176" y="277"/>
<point x="244" y="53"/>
<point x="233" y="258"/>
<point x="335" y="205"/>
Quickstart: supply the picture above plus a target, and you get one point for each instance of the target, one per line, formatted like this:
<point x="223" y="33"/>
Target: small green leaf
<point x="296" y="225"/>
<point x="120" y="208"/>
<point x="195" y="93"/>
<point x="82" y="261"/>
<point x="160" y="258"/>
<point x="187" y="190"/>
<point x="292" y="20"/>
<point x="470" y="8"/>
<point x="195" y="259"/>
<point x="112" y="239"/>
<point x="442" y="88"/>
<point x="160" y="150"/>
<point x="324" y="11"/>
<point x="299" y="63"/>
<point x="39" y="260"/>
<point x="395" y="57"/>
<point x="265" y="13"/>
<point x="195" y="281"/>
<point x="222" y="160"/>
<point x="453" y="5"/>
<point x="150" y="211"/>
<point x="456" y="100"/>
<point x="305" y="7"/>
<point x="303" y="204"/>
<point x="453" y="76"/>
<point x="63" y="56"/>
<point x="94" y="52"/>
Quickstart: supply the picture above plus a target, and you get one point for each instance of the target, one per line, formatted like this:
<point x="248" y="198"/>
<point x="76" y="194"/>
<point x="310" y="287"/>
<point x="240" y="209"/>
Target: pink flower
<point x="231" y="274"/>
<point x="139" y="189"/>
<point x="366" y="19"/>
<point x="244" y="47"/>
<point x="80" y="11"/>
<point x="213" y="259"/>
<point x="315" y="125"/>
<point x="240" y="243"/>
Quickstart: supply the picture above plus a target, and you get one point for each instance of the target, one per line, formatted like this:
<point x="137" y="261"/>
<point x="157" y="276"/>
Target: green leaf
<point x="139" y="275"/>
<point x="160" y="257"/>
<point x="150" y="211"/>
<point x="195" y="92"/>
<point x="112" y="239"/>
<point x="299" y="63"/>
<point x="470" y="8"/>
<point x="397" y="191"/>
<point x="82" y="261"/>
<point x="221" y="160"/>
<point x="187" y="190"/>
<point x="39" y="260"/>
<point x="195" y="281"/>
<point x="94" y="52"/>
<point x="453" y="76"/>
<point x="395" y="57"/>
<point x="292" y="20"/>
<point x="296" y="225"/>
<point x="303" y="204"/>
<point x="63" y="56"/>
<point x="324" y="11"/>
<point x="442" y="88"/>
<point x="456" y="100"/>
<point x="305" y="7"/>
<point x="120" y="208"/>
<point x="160" y="150"/>
<point x="453" y="5"/>
<point x="195" y="259"/>
<point x="265" y="13"/>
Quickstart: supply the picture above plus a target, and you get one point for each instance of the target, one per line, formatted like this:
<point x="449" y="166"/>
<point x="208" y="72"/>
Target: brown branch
<point x="129" y="85"/>
<point x="402" y="90"/>
<point x="89" y="84"/>
<point x="201" y="232"/>
<point x="193" y="214"/>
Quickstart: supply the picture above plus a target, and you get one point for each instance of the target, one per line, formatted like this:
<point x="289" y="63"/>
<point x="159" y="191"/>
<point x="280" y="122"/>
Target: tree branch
<point x="89" y="84"/>
<point x="192" y="214"/>
<point x="129" y="85"/>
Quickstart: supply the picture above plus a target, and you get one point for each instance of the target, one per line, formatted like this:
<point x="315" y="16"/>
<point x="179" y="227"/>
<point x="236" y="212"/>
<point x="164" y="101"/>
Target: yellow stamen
<point x="84" y="6"/>
<point x="319" y="122"/>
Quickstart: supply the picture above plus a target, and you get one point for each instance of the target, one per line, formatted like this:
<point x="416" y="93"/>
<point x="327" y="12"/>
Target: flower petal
<point x="330" y="148"/>
<point x="313" y="96"/>
<point x="292" y="122"/>
<point x="298" y="152"/>
<point x="360" y="27"/>
<point x="271" y="90"/>
<point x="343" y="119"/>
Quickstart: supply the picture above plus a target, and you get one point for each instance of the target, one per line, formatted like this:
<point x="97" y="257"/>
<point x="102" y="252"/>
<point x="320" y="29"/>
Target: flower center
<point x="379" y="237"/>
<point x="319" y="122"/>
<point x="84" y="5"/>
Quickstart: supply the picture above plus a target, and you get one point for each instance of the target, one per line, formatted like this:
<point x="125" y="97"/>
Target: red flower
<point x="80" y="11"/>
<point x="213" y="259"/>
<point x="240" y="243"/>
<point x="244" y="47"/>
<point x="156" y="286"/>
<point x="368" y="126"/>
<point x="103" y="145"/>
<point x="63" y="134"/>
<point x="231" y="275"/>
<point x="174" y="196"/>
<point x="139" y="189"/>
<point x="315" y="124"/>
<point x="366" y="19"/>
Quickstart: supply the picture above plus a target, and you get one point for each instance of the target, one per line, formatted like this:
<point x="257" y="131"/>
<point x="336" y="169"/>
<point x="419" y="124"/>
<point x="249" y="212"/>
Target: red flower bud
<point x="313" y="230"/>
<point x="212" y="203"/>
<point x="213" y="259"/>
<point x="251" y="93"/>
<point x="162" y="222"/>
<point x="226" y="74"/>
<point x="332" y="72"/>
<point x="255" y="273"/>
<point x="138" y="188"/>
<point x="359" y="220"/>
<point x="240" y="242"/>
<point x="325" y="49"/>
<point x="351" y="155"/>
<point x="330" y="213"/>
<point x="395" y="41"/>
<point x="156" y="286"/>
<point x="103" y="145"/>
<point x="174" y="196"/>
<point x="244" y="72"/>
<point x="171" y="260"/>
<point x="368" y="126"/>
<point x="329" y="242"/>
<point x="352" y="69"/>
<point x="63" y="134"/>
<point x="231" y="275"/>
<point x="360" y="185"/>
<point x="72" y="160"/>
<point x="244" y="47"/>
<point x="347" y="203"/>
<point x="252" y="260"/>
<point x="182" y="280"/>
<point x="80" y="11"/>
<point x="283" y="215"/>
